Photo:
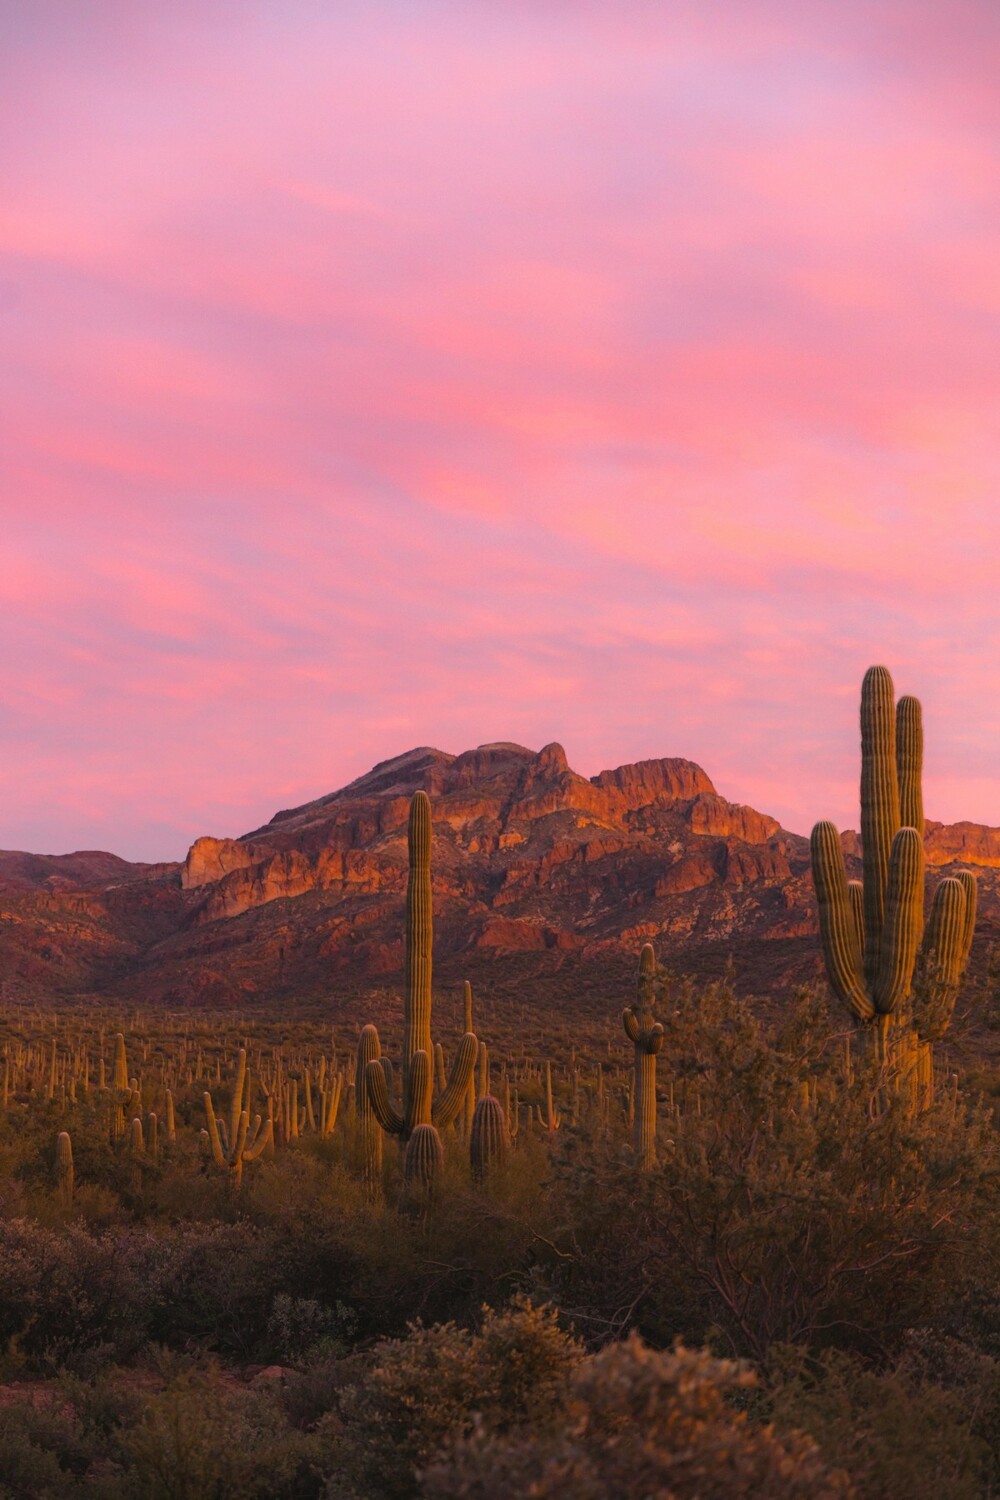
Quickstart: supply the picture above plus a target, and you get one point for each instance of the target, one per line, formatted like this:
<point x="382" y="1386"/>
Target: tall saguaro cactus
<point x="122" y="1095"/>
<point x="896" y="979"/>
<point x="646" y="1035"/>
<point x="420" y="1108"/>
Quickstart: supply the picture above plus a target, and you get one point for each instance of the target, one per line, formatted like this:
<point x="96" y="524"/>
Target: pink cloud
<point x="370" y="377"/>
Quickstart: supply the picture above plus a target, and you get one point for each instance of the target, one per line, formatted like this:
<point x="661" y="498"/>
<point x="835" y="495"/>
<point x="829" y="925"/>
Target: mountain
<point x="536" y="869"/>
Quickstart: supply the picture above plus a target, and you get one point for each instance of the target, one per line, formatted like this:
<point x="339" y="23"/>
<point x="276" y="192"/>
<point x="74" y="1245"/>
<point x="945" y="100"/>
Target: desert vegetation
<point x="722" y="1250"/>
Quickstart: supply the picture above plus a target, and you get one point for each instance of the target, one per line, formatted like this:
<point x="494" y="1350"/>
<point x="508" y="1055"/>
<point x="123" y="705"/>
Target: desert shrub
<point x="474" y="1247"/>
<point x="639" y="1422"/>
<point x="65" y="1295"/>
<point x="414" y="1396"/>
<point x="214" y="1283"/>
<point x="201" y="1440"/>
<point x="899" y="1434"/>
<point x="775" y="1217"/>
<point x="301" y="1330"/>
<point x="42" y="1451"/>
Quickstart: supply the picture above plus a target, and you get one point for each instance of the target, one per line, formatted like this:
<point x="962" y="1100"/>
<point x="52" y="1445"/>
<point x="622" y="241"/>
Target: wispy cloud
<point x="388" y="375"/>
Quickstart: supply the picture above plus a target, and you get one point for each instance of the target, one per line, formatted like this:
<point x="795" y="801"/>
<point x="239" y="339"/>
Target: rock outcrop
<point x="530" y="859"/>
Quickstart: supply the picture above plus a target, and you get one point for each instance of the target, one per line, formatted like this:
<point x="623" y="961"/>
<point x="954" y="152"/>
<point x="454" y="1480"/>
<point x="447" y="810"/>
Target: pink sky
<point x="375" y="375"/>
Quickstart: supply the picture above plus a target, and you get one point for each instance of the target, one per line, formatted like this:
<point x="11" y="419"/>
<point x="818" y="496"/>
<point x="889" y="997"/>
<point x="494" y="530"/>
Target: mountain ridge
<point x="530" y="859"/>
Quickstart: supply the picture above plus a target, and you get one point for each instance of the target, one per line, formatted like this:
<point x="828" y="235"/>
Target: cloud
<point x="390" y="375"/>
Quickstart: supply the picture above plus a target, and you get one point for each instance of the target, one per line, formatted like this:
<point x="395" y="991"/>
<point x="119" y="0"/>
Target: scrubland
<point x="799" y="1297"/>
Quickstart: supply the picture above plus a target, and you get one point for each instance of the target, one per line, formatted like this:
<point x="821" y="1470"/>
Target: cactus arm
<point x="630" y="1021"/>
<point x="841" y="948"/>
<point x="971" y="896"/>
<point x="942" y="960"/>
<point x="903" y="920"/>
<point x="253" y="1136"/>
<point x="261" y="1140"/>
<point x="449" y="1102"/>
<point x="909" y="763"/>
<point x="652" y="1039"/>
<point x="213" y="1132"/>
<point x="236" y="1098"/>
<point x="879" y="803"/>
<point x="333" y="1103"/>
<point x="376" y="1093"/>
<point x="856" y="896"/>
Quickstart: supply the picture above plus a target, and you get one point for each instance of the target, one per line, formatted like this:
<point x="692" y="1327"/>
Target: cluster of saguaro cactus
<point x="421" y="1116"/>
<point x="898" y="981"/>
<point x="234" y="1141"/>
<point x="646" y="1036"/>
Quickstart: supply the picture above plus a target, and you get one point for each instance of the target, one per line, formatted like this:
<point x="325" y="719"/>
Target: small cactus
<point x="552" y="1118"/>
<point x="64" y="1169"/>
<point x="424" y="1157"/>
<point x="489" y="1142"/>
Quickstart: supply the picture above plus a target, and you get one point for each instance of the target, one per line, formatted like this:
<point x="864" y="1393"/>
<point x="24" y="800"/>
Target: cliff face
<point x="533" y="854"/>
<point x="530" y="858"/>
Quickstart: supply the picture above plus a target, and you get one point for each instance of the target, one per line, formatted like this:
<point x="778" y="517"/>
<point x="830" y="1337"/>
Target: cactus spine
<point x="646" y="1036"/>
<point x="892" y="975"/>
<point x="420" y="1109"/>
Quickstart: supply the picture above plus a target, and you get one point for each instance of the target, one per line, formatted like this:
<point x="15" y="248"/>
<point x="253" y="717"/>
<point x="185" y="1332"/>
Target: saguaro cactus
<point x="64" y="1169"/>
<point x="488" y="1141"/>
<point x="123" y="1095"/>
<point x="369" y="1129"/>
<point x="646" y="1035"/>
<point x="419" y="1106"/>
<point x="898" y="981"/>
<point x="234" y="1143"/>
